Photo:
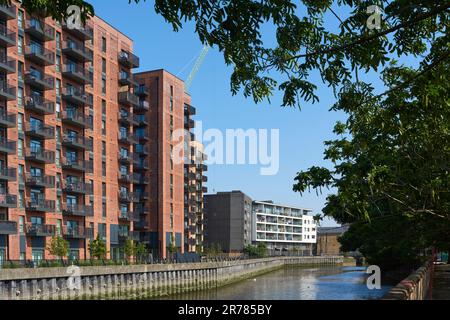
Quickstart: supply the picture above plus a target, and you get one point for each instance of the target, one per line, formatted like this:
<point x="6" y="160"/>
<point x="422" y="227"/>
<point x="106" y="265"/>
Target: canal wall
<point x="138" y="281"/>
<point x="415" y="287"/>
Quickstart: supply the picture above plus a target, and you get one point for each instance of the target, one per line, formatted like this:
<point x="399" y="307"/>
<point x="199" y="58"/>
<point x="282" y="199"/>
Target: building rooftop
<point x="332" y="230"/>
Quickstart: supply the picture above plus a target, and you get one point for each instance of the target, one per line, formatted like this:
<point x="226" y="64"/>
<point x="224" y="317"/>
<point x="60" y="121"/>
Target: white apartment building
<point x="283" y="227"/>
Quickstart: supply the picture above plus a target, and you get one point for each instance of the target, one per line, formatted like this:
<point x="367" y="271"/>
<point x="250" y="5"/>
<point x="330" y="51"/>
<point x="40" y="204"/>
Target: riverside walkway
<point x="441" y="283"/>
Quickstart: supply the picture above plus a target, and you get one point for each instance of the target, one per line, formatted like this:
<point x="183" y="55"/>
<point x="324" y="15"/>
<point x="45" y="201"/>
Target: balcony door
<point x="35" y="172"/>
<point x="36" y="196"/>
<point x="35" y="146"/>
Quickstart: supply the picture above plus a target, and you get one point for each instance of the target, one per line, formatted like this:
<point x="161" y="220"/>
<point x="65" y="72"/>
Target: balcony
<point x="142" y="195"/>
<point x="204" y="189"/>
<point x="38" y="80"/>
<point x="128" y="98"/>
<point x="7" y="146"/>
<point x="40" y="131"/>
<point x="141" y="165"/>
<point x="40" y="156"/>
<point x="77" y="187"/>
<point x="78" y="74"/>
<point x="127" y="216"/>
<point x="189" y="110"/>
<point x="141" y="91"/>
<point x="8" y="227"/>
<point x="77" y="51"/>
<point x="126" y="158"/>
<point x="142" y="137"/>
<point x="78" y="210"/>
<point x="141" y="210"/>
<point x="128" y="59"/>
<point x="124" y="235"/>
<point x="141" y="120"/>
<point x="77" y="142"/>
<point x="7" y="120"/>
<point x="189" y="124"/>
<point x="8" y="174"/>
<point x="40" y="205"/>
<point x="127" y="79"/>
<point x="140" y="179"/>
<point x="142" y="150"/>
<point x="126" y="118"/>
<point x="77" y="119"/>
<point x="127" y="138"/>
<point x="125" y="177"/>
<point x="126" y="196"/>
<point x="77" y="96"/>
<point x="142" y="106"/>
<point x="84" y="33"/>
<point x="7" y="91"/>
<point x="39" y="105"/>
<point x="7" y="12"/>
<point x="78" y="165"/>
<point x="39" y="29"/>
<point x="40" y="230"/>
<point x="40" y="181"/>
<point x="8" y="200"/>
<point x="7" y="37"/>
<point x="142" y="225"/>
<point x="39" y="55"/>
<point x="7" y="64"/>
<point x="78" y="232"/>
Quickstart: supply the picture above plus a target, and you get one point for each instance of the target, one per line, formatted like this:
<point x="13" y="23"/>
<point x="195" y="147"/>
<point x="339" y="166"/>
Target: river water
<point x="295" y="283"/>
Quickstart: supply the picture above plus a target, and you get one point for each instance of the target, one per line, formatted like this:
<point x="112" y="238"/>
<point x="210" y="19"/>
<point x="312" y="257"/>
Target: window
<point x="21" y="173"/>
<point x="58" y="40"/>
<point x="20" y="16"/>
<point x="58" y="134"/>
<point x="103" y="44"/>
<point x="20" y="122"/>
<point x="20" y="148"/>
<point x="103" y="65"/>
<point x="58" y="110"/>
<point x="58" y="227"/>
<point x="58" y="180"/>
<point x="58" y="158"/>
<point x="103" y="127"/>
<point x="58" y="63"/>
<point x="104" y="86"/>
<point x="20" y="97"/>
<point x="104" y="148"/>
<point x="58" y="204"/>
<point x="104" y="168"/>
<point x="103" y="189"/>
<point x="21" y="199"/>
<point x="20" y="70"/>
<point x="103" y="108"/>
<point x="21" y="224"/>
<point x="20" y="45"/>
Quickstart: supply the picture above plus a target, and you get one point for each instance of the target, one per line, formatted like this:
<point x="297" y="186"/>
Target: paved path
<point x="441" y="283"/>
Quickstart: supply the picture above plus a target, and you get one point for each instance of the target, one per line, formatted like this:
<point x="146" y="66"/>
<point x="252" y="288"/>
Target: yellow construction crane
<point x="196" y="67"/>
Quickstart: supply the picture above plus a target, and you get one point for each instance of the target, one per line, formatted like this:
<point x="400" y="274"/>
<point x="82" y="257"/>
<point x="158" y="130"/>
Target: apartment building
<point x="283" y="228"/>
<point x="228" y="220"/>
<point x="194" y="189"/>
<point x="234" y="220"/>
<point x="70" y="124"/>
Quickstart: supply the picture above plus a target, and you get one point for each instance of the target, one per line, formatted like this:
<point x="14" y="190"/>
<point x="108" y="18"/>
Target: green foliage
<point x="140" y="251"/>
<point x="391" y="169"/>
<point x="259" y="251"/>
<point x="213" y="250"/>
<point x="59" y="247"/>
<point x="97" y="248"/>
<point x="129" y="248"/>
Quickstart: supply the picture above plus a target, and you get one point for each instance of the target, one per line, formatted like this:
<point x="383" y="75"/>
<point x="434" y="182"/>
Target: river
<point x="295" y="283"/>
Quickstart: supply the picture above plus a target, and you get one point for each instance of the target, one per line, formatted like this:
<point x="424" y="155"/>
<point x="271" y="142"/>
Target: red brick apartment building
<point x="84" y="144"/>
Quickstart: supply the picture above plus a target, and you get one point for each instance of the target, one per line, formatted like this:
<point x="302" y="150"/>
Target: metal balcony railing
<point x="7" y="12"/>
<point x="84" y="33"/>
<point x="8" y="174"/>
<point x="128" y="59"/>
<point x="40" y="181"/>
<point x="39" y="55"/>
<point x="126" y="196"/>
<point x="8" y="227"/>
<point x="78" y="232"/>
<point x="77" y="50"/>
<point x="127" y="118"/>
<point x="39" y="104"/>
<point x="7" y="119"/>
<point x="127" y="138"/>
<point x="40" y="230"/>
<point x="40" y="205"/>
<point x="77" y="165"/>
<point x="39" y="29"/>
<point x="39" y="80"/>
<point x="7" y="37"/>
<point x="127" y="79"/>
<point x="7" y="91"/>
<point x="77" y="142"/>
<point x="78" y="73"/>
<point x="77" y="187"/>
<point x="7" y="146"/>
<point x="8" y="200"/>
<point x="141" y="90"/>
<point x="40" y="131"/>
<point x="128" y="98"/>
<point x="77" y="119"/>
<point x="77" y="96"/>
<point x="40" y="155"/>
<point x="78" y="210"/>
<point x="7" y="64"/>
<point x="142" y="106"/>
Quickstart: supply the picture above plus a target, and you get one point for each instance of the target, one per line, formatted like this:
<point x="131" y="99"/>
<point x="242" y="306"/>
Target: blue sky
<point x="302" y="132"/>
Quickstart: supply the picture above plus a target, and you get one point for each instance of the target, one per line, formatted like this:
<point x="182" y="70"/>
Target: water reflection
<point x="294" y="283"/>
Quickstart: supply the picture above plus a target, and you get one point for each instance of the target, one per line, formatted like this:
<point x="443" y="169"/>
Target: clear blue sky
<point x="302" y="132"/>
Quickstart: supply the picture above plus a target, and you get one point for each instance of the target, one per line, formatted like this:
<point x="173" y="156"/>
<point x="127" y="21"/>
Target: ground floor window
<point x="74" y="255"/>
<point x="2" y="256"/>
<point x="37" y="255"/>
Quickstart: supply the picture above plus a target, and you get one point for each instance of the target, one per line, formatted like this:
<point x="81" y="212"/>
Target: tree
<point x="140" y="251"/>
<point x="59" y="247"/>
<point x="97" y="248"/>
<point x="391" y="167"/>
<point x="129" y="249"/>
<point x="306" y="39"/>
<point x="318" y="219"/>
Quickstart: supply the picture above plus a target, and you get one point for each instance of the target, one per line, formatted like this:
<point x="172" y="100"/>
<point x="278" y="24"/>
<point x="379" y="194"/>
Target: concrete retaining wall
<point x="414" y="287"/>
<point x="138" y="282"/>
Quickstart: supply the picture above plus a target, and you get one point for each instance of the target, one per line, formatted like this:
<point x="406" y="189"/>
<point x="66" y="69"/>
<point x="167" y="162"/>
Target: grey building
<point x="228" y="220"/>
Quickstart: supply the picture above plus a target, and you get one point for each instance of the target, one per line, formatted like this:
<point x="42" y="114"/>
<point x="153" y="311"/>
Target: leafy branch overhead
<point x="325" y="37"/>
